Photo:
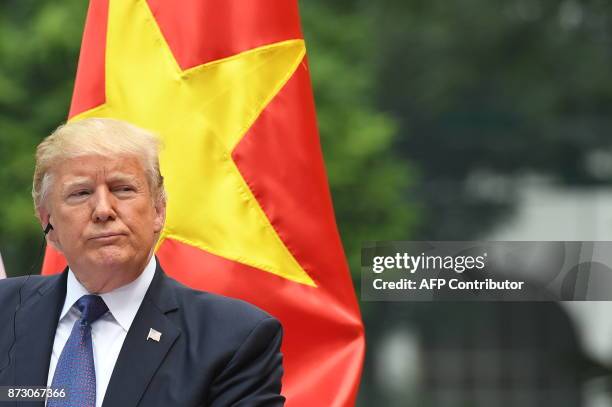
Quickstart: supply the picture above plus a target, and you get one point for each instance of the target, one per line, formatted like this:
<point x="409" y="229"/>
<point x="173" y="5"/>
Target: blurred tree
<point x="487" y="90"/>
<point x="39" y="43"/>
<point x="368" y="180"/>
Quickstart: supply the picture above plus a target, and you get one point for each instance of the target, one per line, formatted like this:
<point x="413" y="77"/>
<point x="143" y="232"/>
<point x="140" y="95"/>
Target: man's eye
<point x="125" y="188"/>
<point x="80" y="193"/>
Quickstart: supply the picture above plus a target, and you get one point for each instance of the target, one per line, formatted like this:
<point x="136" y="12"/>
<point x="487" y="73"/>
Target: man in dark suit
<point x="113" y="329"/>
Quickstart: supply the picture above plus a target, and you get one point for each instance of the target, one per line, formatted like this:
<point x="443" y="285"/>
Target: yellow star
<point x="201" y="114"/>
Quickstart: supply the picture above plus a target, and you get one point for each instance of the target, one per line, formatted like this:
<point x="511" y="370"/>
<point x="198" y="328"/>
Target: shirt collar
<point x="122" y="302"/>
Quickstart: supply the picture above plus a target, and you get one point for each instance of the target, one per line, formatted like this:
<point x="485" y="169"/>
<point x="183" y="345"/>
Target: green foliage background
<point x="39" y="45"/>
<point x="418" y="102"/>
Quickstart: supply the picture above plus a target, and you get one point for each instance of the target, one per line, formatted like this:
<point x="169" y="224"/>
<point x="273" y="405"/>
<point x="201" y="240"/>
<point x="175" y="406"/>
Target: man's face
<point x="103" y="214"/>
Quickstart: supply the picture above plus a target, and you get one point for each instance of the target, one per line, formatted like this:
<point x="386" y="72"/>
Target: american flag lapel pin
<point x="154" y="334"/>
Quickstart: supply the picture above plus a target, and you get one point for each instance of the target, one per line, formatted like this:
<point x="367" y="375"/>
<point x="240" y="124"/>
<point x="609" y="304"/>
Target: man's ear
<point x="44" y="217"/>
<point x="160" y="214"/>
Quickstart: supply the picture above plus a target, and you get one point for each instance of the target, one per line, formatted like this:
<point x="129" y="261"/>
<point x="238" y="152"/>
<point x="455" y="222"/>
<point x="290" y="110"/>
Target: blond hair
<point x="96" y="136"/>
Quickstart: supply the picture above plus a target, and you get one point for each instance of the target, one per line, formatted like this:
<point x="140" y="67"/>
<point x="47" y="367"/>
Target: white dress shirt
<point x="109" y="331"/>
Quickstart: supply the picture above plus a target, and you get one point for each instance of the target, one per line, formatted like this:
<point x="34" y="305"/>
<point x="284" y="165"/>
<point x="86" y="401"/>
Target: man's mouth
<point x="102" y="237"/>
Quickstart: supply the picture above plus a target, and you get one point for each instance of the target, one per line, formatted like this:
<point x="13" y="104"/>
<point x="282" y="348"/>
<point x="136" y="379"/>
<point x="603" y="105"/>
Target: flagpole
<point x="2" y="272"/>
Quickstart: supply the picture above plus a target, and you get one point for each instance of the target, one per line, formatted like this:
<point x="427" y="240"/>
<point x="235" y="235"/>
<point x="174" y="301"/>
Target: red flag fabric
<point x="226" y="85"/>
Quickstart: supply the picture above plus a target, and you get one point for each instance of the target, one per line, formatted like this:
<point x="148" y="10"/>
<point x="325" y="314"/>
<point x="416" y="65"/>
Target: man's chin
<point x="110" y="257"/>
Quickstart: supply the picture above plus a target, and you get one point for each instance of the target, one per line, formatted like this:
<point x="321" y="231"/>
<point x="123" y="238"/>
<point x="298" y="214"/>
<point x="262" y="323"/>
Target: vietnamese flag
<point x="226" y="86"/>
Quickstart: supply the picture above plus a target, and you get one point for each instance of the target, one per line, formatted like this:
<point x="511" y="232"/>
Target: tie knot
<point x="92" y="307"/>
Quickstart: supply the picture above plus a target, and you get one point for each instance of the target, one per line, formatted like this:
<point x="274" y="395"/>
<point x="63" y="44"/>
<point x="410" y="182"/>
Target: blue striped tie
<point x="75" y="372"/>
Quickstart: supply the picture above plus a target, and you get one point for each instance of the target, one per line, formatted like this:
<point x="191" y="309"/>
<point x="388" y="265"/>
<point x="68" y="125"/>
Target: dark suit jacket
<point x="214" y="351"/>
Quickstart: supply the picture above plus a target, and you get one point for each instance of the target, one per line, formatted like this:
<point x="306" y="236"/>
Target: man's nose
<point x="103" y="209"/>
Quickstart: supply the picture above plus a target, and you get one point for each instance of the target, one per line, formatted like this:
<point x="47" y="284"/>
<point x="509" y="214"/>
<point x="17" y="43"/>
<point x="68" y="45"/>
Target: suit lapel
<point x="140" y="358"/>
<point x="35" y="323"/>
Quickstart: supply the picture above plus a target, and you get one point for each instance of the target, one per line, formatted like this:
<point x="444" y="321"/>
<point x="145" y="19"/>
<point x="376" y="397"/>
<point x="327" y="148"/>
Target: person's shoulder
<point x="226" y="319"/>
<point x="19" y="290"/>
<point x="26" y="284"/>
<point x="217" y="305"/>
<point x="235" y="342"/>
